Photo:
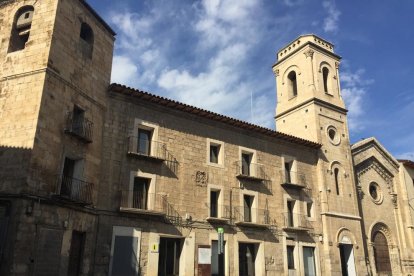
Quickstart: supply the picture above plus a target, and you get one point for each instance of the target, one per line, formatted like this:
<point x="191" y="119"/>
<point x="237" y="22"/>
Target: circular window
<point x="375" y="193"/>
<point x="333" y="135"/>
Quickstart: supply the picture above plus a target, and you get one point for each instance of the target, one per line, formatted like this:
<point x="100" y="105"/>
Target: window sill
<point x="249" y="177"/>
<point x="251" y="224"/>
<point x="296" y="229"/>
<point x="292" y="185"/>
<point x="145" y="156"/>
<point x="141" y="211"/>
<point x="217" y="220"/>
<point x="216" y="165"/>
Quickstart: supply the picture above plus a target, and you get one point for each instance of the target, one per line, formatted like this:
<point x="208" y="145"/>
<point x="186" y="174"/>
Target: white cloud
<point x="406" y="155"/>
<point x="353" y="92"/>
<point x="124" y="71"/>
<point x="330" y="24"/>
<point x="292" y="3"/>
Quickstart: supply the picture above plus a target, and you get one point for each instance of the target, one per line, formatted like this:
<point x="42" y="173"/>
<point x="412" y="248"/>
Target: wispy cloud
<point x="330" y="23"/>
<point x="354" y="89"/>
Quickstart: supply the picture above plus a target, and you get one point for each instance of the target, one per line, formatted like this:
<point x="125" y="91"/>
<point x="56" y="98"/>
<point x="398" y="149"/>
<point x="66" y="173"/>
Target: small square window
<point x="214" y="153"/>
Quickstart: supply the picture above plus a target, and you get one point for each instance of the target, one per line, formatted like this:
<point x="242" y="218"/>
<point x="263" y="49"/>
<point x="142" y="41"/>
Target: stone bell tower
<point x="310" y="106"/>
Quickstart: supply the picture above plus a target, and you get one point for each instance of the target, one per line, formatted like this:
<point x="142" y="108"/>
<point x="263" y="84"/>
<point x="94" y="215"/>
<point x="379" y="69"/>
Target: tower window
<point x="292" y="84"/>
<point x="325" y="74"/>
<point x="336" y="173"/>
<point x="21" y="29"/>
<point x="86" y="40"/>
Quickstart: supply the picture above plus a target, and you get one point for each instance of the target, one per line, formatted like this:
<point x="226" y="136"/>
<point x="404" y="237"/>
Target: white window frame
<point x="211" y="187"/>
<point x="315" y="254"/>
<point x="145" y="125"/>
<point x="151" y="190"/>
<point x="220" y="160"/>
<point x="129" y="232"/>
<point x="312" y="211"/>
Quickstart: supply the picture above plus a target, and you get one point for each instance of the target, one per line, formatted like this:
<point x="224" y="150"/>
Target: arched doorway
<point x="381" y="254"/>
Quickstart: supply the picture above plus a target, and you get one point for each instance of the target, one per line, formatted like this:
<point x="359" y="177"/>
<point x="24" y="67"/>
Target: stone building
<point x="103" y="179"/>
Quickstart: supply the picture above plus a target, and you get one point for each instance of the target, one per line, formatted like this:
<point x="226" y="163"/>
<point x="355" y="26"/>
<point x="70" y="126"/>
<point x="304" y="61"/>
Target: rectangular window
<point x="246" y="160"/>
<point x="125" y="251"/>
<point x="71" y="183"/>
<point x="4" y="222"/>
<point x="309" y="207"/>
<point x="247" y="205"/>
<point x="77" y="245"/>
<point x="78" y="120"/>
<point x="169" y="257"/>
<point x="214" y="199"/>
<point x="290" y="208"/>
<point x="288" y="172"/>
<point x="140" y="193"/>
<point x="144" y="141"/>
<point x="290" y="257"/>
<point x="309" y="261"/>
<point x="214" y="153"/>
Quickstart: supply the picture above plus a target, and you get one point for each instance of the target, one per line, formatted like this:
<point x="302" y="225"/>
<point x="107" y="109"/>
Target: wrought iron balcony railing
<point x="250" y="171"/>
<point x="250" y="216"/>
<point x="147" y="148"/>
<point x="79" y="127"/>
<point x="218" y="212"/>
<point x="293" y="179"/>
<point x="296" y="222"/>
<point x="74" y="190"/>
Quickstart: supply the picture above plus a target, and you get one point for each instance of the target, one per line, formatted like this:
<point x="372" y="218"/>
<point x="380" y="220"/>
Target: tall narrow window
<point x="214" y="197"/>
<point x="144" y="141"/>
<point x="248" y="203"/>
<point x="336" y="173"/>
<point x="140" y="193"/>
<point x="309" y="207"/>
<point x="292" y="84"/>
<point x="246" y="160"/>
<point x="290" y="208"/>
<point x="86" y="40"/>
<point x="290" y="257"/>
<point x="325" y="74"/>
<point x="21" y="29"/>
<point x="288" y="167"/>
<point x="309" y="261"/>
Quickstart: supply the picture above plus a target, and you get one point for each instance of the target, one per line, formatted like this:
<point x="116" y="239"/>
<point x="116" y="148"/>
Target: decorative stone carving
<point x="394" y="200"/>
<point x="381" y="227"/>
<point x="201" y="178"/>
<point x="337" y="65"/>
<point x="309" y="53"/>
<point x="277" y="72"/>
<point x="373" y="164"/>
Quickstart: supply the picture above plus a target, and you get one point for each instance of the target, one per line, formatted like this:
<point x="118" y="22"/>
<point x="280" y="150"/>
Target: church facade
<point x="104" y="179"/>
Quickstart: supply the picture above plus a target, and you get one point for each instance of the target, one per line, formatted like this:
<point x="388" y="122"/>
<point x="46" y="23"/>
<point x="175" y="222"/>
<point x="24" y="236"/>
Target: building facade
<point x="103" y="179"/>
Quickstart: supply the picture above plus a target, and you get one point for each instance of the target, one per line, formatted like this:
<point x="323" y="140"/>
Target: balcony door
<point x="144" y="141"/>
<point x="72" y="173"/>
<point x="140" y="193"/>
<point x="247" y="206"/>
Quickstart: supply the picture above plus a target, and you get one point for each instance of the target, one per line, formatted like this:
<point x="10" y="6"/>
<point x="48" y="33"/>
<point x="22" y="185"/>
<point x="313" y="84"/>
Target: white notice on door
<point x="204" y="255"/>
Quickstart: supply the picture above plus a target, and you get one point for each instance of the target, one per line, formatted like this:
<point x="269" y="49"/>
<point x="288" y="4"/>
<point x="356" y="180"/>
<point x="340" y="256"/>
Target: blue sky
<point x="215" y="54"/>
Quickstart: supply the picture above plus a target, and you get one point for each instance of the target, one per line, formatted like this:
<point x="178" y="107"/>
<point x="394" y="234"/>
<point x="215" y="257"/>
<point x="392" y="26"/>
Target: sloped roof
<point x="142" y="95"/>
<point x="372" y="142"/>
<point x="407" y="163"/>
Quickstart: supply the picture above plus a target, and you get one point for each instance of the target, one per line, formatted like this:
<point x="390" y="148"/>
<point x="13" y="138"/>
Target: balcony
<point x="147" y="149"/>
<point x="140" y="203"/>
<point x="218" y="213"/>
<point x="252" y="171"/>
<point x="296" y="222"/>
<point x="74" y="190"/>
<point x="292" y="179"/>
<point x="251" y="217"/>
<point x="79" y="127"/>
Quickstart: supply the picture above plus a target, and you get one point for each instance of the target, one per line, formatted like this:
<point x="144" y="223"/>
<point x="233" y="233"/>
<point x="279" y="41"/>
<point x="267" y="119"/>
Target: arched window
<point x="86" y="40"/>
<point x="325" y="74"/>
<point x="21" y="28"/>
<point x="292" y="84"/>
<point x="381" y="254"/>
<point x="336" y="173"/>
